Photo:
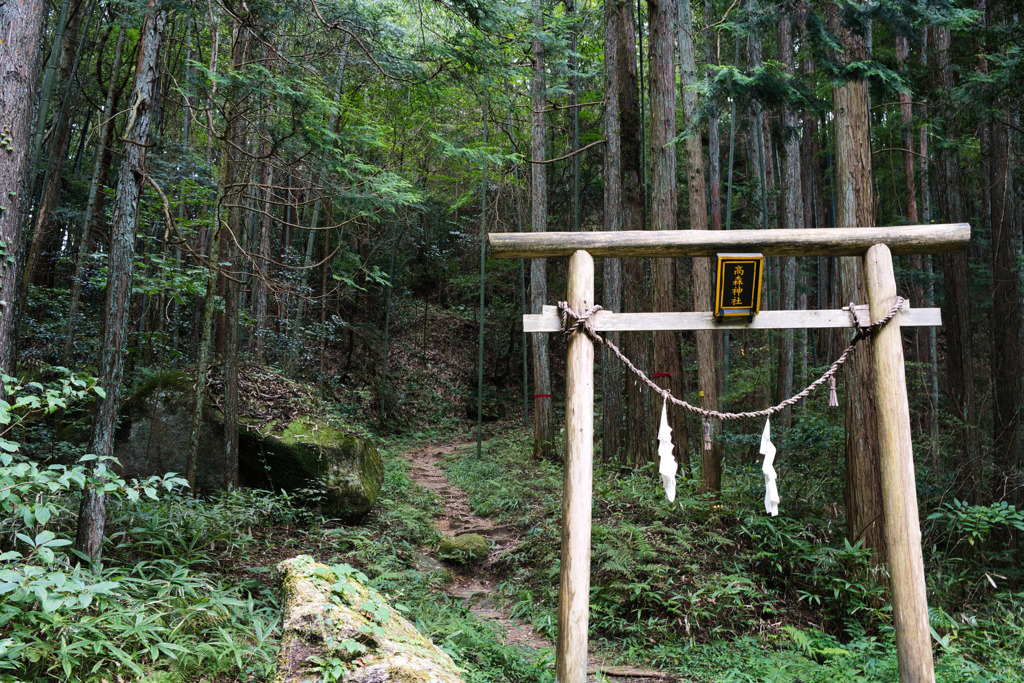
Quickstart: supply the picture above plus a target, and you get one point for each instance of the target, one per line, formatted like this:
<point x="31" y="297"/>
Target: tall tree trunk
<point x="1006" y="319"/>
<point x="714" y="185"/>
<point x="919" y="337"/>
<point x="88" y="220"/>
<point x="855" y="208"/>
<point x="574" y="92"/>
<point x="543" y="436"/>
<point x="20" y="42"/>
<point x="933" y="351"/>
<point x="71" y="51"/>
<point x="262" y="261"/>
<point x="216" y="240"/>
<point x="1003" y="206"/>
<point x="639" y="447"/>
<point x="956" y="311"/>
<point x="120" y="263"/>
<point x="49" y="82"/>
<point x="611" y="371"/>
<point x="707" y="380"/>
<point x="260" y="270"/>
<point x="235" y="176"/>
<point x="792" y="216"/>
<point x="714" y="139"/>
<point x="667" y="363"/>
<point x="205" y="351"/>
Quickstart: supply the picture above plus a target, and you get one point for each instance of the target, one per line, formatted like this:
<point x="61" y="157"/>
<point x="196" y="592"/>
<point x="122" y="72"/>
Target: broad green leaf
<point x="51" y="603"/>
<point x="43" y="514"/>
<point x="44" y="537"/>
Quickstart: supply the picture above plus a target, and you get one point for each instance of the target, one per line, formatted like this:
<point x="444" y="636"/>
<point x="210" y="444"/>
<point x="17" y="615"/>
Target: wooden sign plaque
<point x="739" y="285"/>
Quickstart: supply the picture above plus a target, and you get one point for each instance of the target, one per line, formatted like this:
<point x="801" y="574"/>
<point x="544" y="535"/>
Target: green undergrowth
<point x="715" y="590"/>
<point x="186" y="591"/>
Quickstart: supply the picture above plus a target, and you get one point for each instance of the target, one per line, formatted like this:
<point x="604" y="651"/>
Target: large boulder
<point x="328" y="615"/>
<point x="153" y="432"/>
<point x="307" y="453"/>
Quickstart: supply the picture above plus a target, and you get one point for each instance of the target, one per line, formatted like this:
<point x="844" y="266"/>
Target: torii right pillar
<point x="899" y="486"/>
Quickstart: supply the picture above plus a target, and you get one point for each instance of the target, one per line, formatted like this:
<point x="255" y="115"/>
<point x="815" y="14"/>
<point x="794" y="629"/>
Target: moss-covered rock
<point x="464" y="548"/>
<point x="153" y="432"/>
<point x="153" y="438"/>
<point x="310" y="453"/>
<point x="328" y="613"/>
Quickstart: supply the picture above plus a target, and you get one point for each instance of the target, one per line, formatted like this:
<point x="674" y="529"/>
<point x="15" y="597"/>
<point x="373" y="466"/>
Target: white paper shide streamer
<point x="667" y="466"/>
<point x="771" y="492"/>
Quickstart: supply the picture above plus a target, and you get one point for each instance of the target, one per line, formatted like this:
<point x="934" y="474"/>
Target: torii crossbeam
<point x="899" y="493"/>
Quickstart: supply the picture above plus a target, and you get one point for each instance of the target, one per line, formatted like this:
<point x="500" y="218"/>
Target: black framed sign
<point x="739" y="285"/>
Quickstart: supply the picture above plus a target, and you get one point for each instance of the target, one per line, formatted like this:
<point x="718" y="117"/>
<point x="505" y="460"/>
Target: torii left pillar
<point x="574" y="596"/>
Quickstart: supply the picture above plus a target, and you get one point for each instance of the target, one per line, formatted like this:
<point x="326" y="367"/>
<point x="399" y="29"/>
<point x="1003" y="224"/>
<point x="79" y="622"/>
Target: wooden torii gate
<point x="899" y="493"/>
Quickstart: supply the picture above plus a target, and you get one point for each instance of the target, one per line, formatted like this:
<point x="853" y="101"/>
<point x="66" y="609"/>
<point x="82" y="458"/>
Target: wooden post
<point x="574" y="591"/>
<point x="899" y="488"/>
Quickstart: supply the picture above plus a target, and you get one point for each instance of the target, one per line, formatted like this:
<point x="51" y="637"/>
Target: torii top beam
<point x="906" y="239"/>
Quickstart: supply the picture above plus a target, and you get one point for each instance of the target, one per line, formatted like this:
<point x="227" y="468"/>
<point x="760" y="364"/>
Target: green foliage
<point x="960" y="522"/>
<point x="715" y="590"/>
<point x="62" y="621"/>
<point x="972" y="548"/>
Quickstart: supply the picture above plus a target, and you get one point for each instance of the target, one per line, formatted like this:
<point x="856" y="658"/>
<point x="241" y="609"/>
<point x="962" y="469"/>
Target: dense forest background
<point x="220" y="187"/>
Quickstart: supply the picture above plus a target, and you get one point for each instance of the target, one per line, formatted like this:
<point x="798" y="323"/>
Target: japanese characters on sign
<point x="739" y="285"/>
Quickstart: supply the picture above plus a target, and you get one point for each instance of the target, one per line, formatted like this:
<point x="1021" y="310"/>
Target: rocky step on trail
<point x="476" y="587"/>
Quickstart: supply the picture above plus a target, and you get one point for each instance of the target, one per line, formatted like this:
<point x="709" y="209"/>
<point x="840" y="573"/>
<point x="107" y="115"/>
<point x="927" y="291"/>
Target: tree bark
<point x="543" y="439"/>
<point x="1006" y="320"/>
<point x="71" y="51"/>
<point x="611" y="371"/>
<point x="714" y="190"/>
<point x="956" y="312"/>
<point x="49" y="82"/>
<point x="92" y="514"/>
<point x="667" y="363"/>
<point x="89" y="219"/>
<point x="20" y="43"/>
<point x="262" y="261"/>
<point x="792" y="217"/>
<point x="236" y="143"/>
<point x="216" y="239"/>
<point x="919" y="337"/>
<point x="714" y="140"/>
<point x="639" y="447"/>
<point x="855" y="208"/>
<point x="707" y="376"/>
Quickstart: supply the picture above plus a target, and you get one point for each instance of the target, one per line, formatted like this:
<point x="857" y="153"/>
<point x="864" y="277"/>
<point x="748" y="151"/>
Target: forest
<point x="239" y="235"/>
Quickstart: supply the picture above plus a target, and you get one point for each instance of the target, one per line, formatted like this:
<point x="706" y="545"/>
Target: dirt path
<point x="475" y="588"/>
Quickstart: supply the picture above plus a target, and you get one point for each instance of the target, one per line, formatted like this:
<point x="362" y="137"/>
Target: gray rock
<point x="153" y="432"/>
<point x="310" y="453"/>
<point x="153" y="438"/>
<point x="328" y="614"/>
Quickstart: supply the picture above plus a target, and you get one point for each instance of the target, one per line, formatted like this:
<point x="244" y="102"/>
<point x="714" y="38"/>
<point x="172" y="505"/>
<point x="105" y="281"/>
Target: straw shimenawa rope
<point x="574" y="322"/>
